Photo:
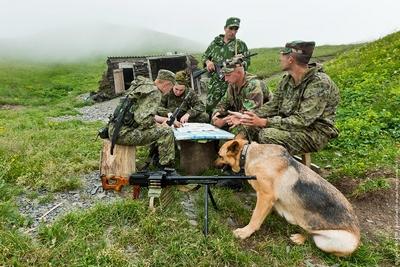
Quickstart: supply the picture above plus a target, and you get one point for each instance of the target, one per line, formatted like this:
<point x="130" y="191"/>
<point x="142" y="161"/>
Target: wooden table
<point x="198" y="144"/>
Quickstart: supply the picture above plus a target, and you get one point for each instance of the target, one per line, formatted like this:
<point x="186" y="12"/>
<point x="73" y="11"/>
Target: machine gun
<point x="157" y="180"/>
<point x="220" y="65"/>
<point x="174" y="115"/>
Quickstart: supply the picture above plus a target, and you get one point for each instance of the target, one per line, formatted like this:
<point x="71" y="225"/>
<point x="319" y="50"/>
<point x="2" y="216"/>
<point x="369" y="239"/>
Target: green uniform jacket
<point x="311" y="105"/>
<point x="219" y="51"/>
<point x="193" y="106"/>
<point x="249" y="97"/>
<point x="146" y="99"/>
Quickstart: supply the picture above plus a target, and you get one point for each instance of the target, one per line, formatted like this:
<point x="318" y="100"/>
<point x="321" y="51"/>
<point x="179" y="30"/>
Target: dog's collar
<point x="243" y="155"/>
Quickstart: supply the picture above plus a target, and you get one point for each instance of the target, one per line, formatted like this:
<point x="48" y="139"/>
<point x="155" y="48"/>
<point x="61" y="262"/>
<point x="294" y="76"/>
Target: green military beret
<point x="232" y="21"/>
<point x="166" y="75"/>
<point x="299" y="47"/>
<point x="181" y="78"/>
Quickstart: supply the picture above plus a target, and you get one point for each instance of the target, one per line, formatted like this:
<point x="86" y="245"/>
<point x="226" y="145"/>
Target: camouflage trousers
<point x="296" y="142"/>
<point x="162" y="136"/>
<point x="215" y="91"/>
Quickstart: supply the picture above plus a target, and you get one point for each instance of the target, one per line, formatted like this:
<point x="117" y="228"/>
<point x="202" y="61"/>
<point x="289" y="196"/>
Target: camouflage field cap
<point x="231" y="64"/>
<point x="181" y="78"/>
<point x="299" y="47"/>
<point x="166" y="75"/>
<point x="232" y="22"/>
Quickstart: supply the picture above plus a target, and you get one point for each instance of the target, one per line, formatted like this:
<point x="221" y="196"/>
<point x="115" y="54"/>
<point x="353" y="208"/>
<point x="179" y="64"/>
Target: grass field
<point x="38" y="153"/>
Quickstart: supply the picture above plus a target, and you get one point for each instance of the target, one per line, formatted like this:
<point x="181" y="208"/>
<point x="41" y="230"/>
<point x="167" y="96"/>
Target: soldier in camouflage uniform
<point x="139" y="127"/>
<point x="245" y="92"/>
<point x="193" y="110"/>
<point x="301" y="115"/>
<point x="223" y="47"/>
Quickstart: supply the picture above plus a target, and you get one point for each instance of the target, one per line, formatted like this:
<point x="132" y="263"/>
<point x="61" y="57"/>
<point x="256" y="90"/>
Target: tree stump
<point x="121" y="163"/>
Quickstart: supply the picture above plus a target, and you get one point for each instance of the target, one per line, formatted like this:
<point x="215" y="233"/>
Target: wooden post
<point x="306" y="159"/>
<point x="119" y="85"/>
<point x="121" y="163"/>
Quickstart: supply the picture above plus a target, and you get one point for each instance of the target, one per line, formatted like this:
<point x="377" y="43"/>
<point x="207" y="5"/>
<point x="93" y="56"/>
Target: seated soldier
<point x="138" y="125"/>
<point x="245" y="92"/>
<point x="192" y="110"/>
<point x="301" y="115"/>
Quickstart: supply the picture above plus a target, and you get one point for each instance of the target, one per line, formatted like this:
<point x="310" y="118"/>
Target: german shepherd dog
<point x="297" y="193"/>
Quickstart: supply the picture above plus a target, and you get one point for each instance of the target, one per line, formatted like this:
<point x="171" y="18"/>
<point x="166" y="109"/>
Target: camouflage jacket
<point x="146" y="99"/>
<point x="219" y="51"/>
<point x="309" y="105"/>
<point x="249" y="97"/>
<point x="193" y="106"/>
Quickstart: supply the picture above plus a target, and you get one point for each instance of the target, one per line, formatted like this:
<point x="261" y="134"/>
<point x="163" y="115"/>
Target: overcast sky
<point x="265" y="23"/>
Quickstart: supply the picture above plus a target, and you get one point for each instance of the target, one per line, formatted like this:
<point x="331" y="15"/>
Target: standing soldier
<point x="223" y="47"/>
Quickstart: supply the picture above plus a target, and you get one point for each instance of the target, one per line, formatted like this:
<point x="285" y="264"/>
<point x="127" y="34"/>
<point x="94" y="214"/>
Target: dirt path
<point x="377" y="212"/>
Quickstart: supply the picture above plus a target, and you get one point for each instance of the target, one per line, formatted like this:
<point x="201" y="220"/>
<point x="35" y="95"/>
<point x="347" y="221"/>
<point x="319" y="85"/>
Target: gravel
<point x="96" y="112"/>
<point x="60" y="203"/>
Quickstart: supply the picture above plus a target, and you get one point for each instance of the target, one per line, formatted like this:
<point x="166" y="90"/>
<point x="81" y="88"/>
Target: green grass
<point x="128" y="234"/>
<point x="36" y="152"/>
<point x="368" y="117"/>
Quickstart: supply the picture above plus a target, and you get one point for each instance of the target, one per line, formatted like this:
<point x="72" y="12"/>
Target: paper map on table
<point x="201" y="131"/>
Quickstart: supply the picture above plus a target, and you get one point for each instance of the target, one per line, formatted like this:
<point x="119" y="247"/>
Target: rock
<point x="193" y="222"/>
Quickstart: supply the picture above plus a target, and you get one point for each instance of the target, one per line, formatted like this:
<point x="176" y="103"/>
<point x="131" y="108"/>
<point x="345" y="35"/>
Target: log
<point x="122" y="163"/>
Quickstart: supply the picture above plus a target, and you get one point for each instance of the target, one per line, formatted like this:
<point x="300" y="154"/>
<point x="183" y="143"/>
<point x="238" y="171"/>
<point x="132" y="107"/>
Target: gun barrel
<point x="143" y="179"/>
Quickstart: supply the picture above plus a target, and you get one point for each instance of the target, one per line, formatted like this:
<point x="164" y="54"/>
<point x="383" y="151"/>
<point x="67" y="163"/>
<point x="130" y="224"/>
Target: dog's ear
<point x="240" y="136"/>
<point x="234" y="147"/>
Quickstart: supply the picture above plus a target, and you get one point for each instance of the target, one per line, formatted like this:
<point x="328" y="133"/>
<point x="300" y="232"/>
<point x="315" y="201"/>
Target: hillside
<point x="42" y="161"/>
<point x="93" y="41"/>
<point x="369" y="114"/>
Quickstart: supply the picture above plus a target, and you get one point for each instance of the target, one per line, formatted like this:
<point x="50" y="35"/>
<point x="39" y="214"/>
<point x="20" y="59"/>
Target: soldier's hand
<point x="185" y="118"/>
<point x="218" y="122"/>
<point x="177" y="124"/>
<point x="210" y="66"/>
<point x="232" y="120"/>
<point x="251" y="119"/>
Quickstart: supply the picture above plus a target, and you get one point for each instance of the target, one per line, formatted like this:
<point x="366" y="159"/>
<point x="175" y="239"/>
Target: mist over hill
<point x="87" y="41"/>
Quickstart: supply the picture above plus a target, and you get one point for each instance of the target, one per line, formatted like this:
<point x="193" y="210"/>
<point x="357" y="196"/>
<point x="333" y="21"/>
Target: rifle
<point x="118" y="121"/>
<point x="172" y="118"/>
<point x="157" y="180"/>
<point x="219" y="66"/>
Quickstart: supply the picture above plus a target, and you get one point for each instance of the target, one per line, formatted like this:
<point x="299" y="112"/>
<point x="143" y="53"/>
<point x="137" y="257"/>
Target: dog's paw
<point x="243" y="233"/>
<point x="298" y="239"/>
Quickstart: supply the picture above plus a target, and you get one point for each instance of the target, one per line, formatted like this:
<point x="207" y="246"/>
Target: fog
<point x="61" y="29"/>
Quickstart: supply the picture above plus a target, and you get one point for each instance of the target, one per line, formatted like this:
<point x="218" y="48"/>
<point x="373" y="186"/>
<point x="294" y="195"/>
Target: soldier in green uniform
<point x="223" y="47"/>
<point x="139" y="126"/>
<point x="193" y="109"/>
<point x="245" y="92"/>
<point x="301" y="115"/>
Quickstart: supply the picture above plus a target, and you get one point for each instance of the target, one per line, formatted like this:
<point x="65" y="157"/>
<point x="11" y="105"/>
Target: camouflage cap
<point x="166" y="75"/>
<point x="181" y="78"/>
<point x="299" y="47"/>
<point x="230" y="64"/>
<point x="232" y="21"/>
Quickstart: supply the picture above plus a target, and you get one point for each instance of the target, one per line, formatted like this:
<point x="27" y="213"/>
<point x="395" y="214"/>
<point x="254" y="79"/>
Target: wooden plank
<point x="119" y="85"/>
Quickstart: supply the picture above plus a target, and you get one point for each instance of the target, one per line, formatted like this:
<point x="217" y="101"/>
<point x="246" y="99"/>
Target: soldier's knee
<point x="273" y="136"/>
